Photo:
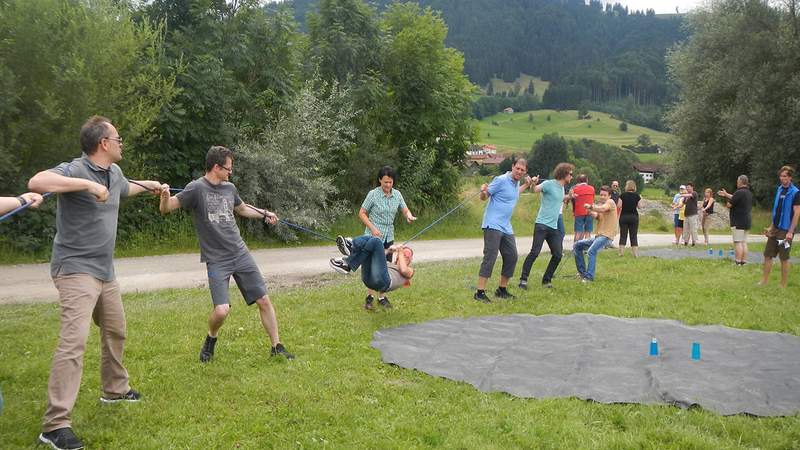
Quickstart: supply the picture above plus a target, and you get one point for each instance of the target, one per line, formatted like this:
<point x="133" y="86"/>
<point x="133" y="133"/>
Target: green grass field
<point x="539" y="85"/>
<point x="338" y="393"/>
<point x="514" y="133"/>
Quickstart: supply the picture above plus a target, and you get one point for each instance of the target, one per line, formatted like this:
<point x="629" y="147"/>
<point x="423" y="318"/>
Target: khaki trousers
<point x="690" y="224"/>
<point x="83" y="298"/>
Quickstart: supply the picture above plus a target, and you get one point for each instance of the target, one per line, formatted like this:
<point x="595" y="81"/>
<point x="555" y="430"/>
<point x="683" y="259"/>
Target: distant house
<point x="647" y="171"/>
<point x="475" y="150"/>
<point x="509" y="110"/>
<point x="475" y="160"/>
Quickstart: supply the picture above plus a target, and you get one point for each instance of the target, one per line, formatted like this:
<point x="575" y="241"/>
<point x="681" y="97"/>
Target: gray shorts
<point x="246" y="274"/>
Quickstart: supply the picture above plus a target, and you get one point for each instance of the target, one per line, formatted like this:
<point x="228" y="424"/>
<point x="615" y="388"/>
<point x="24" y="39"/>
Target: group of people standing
<point x="688" y="215"/>
<point x="90" y="188"/>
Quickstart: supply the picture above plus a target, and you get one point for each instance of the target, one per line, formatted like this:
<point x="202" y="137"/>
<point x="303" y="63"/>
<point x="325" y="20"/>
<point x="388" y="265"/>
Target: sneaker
<point x="586" y="280"/>
<point x="384" y="301"/>
<point x="368" y="303"/>
<point x="207" y="352"/>
<point x="503" y="293"/>
<point x="547" y="285"/>
<point x="481" y="297"/>
<point x="523" y="284"/>
<point x="130" y="396"/>
<point x="61" y="439"/>
<point x="339" y="265"/>
<point x="345" y="245"/>
<point x="280" y="350"/>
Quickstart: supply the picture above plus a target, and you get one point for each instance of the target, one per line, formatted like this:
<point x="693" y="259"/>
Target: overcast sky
<point x="661" y="6"/>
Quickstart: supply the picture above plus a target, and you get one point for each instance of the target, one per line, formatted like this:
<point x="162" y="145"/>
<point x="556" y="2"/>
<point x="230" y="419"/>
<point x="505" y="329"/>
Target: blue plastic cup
<point x="710" y="252"/>
<point x="654" y="347"/>
<point x="696" y="351"/>
<point x="730" y="253"/>
<point x="721" y="253"/>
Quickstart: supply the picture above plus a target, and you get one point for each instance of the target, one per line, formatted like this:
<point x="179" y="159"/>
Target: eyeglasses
<point x="118" y="139"/>
<point x="229" y="169"/>
<point x="570" y="174"/>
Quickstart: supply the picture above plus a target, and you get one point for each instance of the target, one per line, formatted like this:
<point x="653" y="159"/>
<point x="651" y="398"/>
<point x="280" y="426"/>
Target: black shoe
<point x="280" y="350"/>
<point x="130" y="396"/>
<point x="345" y="245"/>
<point x="523" y="284"/>
<point x="503" y="293"/>
<point x="368" y="303"/>
<point x="339" y="265"/>
<point x="384" y="301"/>
<point x="207" y="352"/>
<point x="481" y="297"/>
<point x="61" y="439"/>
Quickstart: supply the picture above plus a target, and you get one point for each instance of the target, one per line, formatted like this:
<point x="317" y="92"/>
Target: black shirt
<point x="629" y="202"/>
<point x="691" y="205"/>
<point x="741" y="206"/>
<point x="777" y="219"/>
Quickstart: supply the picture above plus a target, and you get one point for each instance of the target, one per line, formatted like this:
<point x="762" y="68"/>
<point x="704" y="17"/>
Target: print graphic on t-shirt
<point x="219" y="208"/>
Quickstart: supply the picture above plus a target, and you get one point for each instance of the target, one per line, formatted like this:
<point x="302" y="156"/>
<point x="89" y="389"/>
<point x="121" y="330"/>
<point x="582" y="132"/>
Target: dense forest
<point x="596" y="53"/>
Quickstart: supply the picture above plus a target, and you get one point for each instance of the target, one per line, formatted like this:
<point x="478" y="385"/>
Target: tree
<point x="643" y="140"/>
<point x="739" y="105"/>
<point x="530" y="117"/>
<point x="623" y="126"/>
<point x="546" y="153"/>
<point x="490" y="88"/>
<point x="531" y="88"/>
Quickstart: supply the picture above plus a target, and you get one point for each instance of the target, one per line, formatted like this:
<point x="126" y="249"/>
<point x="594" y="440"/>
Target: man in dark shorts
<point x="785" y="214"/>
<point x="89" y="190"/>
<point x="213" y="200"/>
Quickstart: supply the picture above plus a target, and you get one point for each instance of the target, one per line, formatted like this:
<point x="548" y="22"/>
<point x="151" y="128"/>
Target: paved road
<point x="31" y="283"/>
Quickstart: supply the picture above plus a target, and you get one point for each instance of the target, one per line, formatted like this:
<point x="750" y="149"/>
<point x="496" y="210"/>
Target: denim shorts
<point x="676" y="222"/>
<point x="584" y="224"/>
<point x="245" y="272"/>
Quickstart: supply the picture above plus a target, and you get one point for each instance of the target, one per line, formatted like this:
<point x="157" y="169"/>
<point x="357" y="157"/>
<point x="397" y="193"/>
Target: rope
<point x="442" y="217"/>
<point x="20" y="208"/>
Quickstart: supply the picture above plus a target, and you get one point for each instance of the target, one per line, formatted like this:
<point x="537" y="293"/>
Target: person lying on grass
<point x="368" y="253"/>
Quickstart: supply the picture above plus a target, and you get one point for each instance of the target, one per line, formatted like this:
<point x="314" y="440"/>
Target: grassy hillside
<point x="514" y="132"/>
<point x="539" y="85"/>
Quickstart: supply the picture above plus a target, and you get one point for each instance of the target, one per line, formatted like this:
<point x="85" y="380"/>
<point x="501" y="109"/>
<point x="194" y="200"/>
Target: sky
<point x="661" y="6"/>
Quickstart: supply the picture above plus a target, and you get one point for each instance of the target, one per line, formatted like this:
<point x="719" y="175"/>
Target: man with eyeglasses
<point x="89" y="190"/>
<point x="546" y="226"/>
<point x="213" y="201"/>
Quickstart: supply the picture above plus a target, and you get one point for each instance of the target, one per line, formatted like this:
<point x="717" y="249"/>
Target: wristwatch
<point x="22" y="201"/>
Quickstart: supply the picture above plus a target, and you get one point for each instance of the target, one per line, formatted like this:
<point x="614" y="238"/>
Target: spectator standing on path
<point x="213" y="201"/>
<point x="498" y="235"/>
<point x="629" y="218"/>
<point x="8" y="204"/>
<point x="677" y="214"/>
<point x="606" y="213"/>
<point x="690" y="221"/>
<point x="785" y="215"/>
<point x="740" y="205"/>
<point x="546" y="226"/>
<point x="377" y="213"/>
<point x="615" y="194"/>
<point x="89" y="190"/>
<point x="582" y="194"/>
<point x="708" y="209"/>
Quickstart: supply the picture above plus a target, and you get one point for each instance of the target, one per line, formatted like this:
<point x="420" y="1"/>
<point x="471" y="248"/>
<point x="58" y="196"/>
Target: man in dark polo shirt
<point x="741" y="206"/>
<point x="691" y="220"/>
<point x="89" y="190"/>
<point x="213" y="201"/>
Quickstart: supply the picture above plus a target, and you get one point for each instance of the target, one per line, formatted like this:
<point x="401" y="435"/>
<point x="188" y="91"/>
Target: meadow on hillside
<point x="515" y="132"/>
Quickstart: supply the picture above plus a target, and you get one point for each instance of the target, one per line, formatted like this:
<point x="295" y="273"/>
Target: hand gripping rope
<point x="20" y="208"/>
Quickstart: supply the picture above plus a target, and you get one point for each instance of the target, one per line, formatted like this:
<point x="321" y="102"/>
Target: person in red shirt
<point x="582" y="194"/>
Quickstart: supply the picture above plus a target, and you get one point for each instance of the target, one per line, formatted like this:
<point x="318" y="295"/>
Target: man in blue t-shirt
<point x="785" y="215"/>
<point x="546" y="227"/>
<point x="498" y="235"/>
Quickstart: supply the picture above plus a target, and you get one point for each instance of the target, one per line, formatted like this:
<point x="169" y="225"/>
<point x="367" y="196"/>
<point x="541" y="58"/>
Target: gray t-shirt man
<point x="212" y="211"/>
<point x="86" y="230"/>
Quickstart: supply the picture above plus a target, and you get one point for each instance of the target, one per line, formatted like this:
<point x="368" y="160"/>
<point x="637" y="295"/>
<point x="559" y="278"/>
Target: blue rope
<point x="442" y="217"/>
<point x="20" y="208"/>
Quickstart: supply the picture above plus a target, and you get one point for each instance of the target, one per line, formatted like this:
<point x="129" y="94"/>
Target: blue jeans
<point x="594" y="245"/>
<point x="368" y="253"/>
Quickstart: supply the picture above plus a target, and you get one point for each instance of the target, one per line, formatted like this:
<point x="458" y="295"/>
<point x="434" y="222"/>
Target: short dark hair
<point x="386" y="171"/>
<point x="522" y="161"/>
<point x="562" y="170"/>
<point x="606" y="188"/>
<point x="217" y="155"/>
<point x="690" y="184"/>
<point x="789" y="169"/>
<point x="92" y="132"/>
<point x="582" y="178"/>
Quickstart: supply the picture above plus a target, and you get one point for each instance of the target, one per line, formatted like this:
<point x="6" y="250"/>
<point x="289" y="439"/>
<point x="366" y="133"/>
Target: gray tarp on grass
<point x="606" y="359"/>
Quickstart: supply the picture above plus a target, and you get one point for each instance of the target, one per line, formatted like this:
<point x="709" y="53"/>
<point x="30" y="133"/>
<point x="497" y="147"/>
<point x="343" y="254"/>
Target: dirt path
<point x="31" y="283"/>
